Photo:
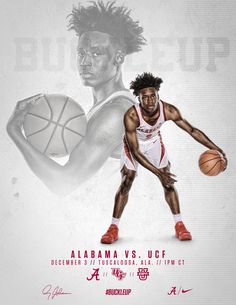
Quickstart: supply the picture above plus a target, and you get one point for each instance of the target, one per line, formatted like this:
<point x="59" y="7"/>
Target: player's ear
<point x="119" y="58"/>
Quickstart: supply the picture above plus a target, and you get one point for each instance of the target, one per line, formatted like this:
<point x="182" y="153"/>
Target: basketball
<point x="55" y="124"/>
<point x="211" y="163"/>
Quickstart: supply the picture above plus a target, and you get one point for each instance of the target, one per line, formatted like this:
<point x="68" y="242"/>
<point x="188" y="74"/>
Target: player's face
<point x="96" y="58"/>
<point x="149" y="99"/>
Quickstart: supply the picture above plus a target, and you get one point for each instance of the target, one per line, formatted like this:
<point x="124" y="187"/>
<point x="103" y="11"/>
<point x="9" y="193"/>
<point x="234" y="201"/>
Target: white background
<point x="36" y="226"/>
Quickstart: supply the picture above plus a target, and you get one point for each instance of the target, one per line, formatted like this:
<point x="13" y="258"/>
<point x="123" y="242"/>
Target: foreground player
<point x="143" y="144"/>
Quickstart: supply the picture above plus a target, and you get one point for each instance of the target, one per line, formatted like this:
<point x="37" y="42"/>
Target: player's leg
<point x="157" y="154"/>
<point x="171" y="196"/>
<point x="121" y="199"/>
<point x="122" y="194"/>
<point x="129" y="168"/>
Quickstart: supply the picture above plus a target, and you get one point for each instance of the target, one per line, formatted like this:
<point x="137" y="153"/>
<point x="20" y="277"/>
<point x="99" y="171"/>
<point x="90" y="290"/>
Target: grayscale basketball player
<point x="106" y="34"/>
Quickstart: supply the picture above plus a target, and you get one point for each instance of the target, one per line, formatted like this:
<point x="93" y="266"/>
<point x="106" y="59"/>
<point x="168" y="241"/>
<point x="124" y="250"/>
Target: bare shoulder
<point x="122" y="102"/>
<point x="119" y="108"/>
<point x="171" y="111"/>
<point x="116" y="108"/>
<point x="131" y="115"/>
<point x="107" y="122"/>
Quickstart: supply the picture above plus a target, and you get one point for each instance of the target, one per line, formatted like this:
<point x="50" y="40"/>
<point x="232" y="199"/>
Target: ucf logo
<point x="118" y="273"/>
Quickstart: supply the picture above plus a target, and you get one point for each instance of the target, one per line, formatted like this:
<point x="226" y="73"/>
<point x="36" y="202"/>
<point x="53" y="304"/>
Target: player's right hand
<point x="16" y="120"/>
<point x="166" y="178"/>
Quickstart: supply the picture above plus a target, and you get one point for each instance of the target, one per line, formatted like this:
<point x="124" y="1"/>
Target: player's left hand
<point x="224" y="156"/>
<point x="167" y="179"/>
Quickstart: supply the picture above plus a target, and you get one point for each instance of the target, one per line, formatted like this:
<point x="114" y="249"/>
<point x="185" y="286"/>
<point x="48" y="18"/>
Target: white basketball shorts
<point x="153" y="149"/>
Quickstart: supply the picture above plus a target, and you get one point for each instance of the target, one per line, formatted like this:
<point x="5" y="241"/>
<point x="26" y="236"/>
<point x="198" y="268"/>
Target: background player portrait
<point x="106" y="35"/>
<point x="191" y="45"/>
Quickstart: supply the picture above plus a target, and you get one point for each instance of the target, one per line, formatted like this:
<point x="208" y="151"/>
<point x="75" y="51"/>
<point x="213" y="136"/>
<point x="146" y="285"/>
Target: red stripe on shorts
<point x="162" y="147"/>
<point x="127" y="150"/>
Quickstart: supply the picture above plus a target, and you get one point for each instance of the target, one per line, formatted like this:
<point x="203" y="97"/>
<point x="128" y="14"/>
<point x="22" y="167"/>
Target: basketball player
<point x="143" y="145"/>
<point x="106" y="35"/>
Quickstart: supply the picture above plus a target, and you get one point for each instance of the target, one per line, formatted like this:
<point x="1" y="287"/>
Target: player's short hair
<point x="145" y="80"/>
<point x="110" y="19"/>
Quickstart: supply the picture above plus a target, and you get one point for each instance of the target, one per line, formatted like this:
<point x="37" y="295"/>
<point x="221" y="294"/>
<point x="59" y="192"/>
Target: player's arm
<point x="173" y="113"/>
<point x="104" y="133"/>
<point x="131" y="123"/>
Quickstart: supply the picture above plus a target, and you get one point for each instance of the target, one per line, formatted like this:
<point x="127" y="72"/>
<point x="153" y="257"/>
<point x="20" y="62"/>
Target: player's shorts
<point x="153" y="149"/>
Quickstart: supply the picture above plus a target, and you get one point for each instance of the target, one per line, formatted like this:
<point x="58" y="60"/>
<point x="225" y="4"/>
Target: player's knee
<point x="169" y="188"/>
<point x="127" y="183"/>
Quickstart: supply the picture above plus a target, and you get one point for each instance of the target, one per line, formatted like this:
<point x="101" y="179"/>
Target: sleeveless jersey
<point x="146" y="132"/>
<point x="123" y="93"/>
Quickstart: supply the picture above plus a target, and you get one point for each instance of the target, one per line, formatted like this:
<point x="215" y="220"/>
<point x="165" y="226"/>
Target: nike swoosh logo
<point x="184" y="291"/>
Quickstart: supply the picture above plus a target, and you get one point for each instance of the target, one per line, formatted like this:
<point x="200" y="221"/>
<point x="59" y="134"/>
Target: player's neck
<point x="102" y="92"/>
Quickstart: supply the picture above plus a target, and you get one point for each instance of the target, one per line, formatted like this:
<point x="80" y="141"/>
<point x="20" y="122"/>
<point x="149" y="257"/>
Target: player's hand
<point x="166" y="178"/>
<point x="17" y="118"/>
<point x="224" y="156"/>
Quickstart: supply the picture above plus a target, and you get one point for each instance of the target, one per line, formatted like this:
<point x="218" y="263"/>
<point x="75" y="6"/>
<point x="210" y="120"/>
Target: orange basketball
<point x="211" y="162"/>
